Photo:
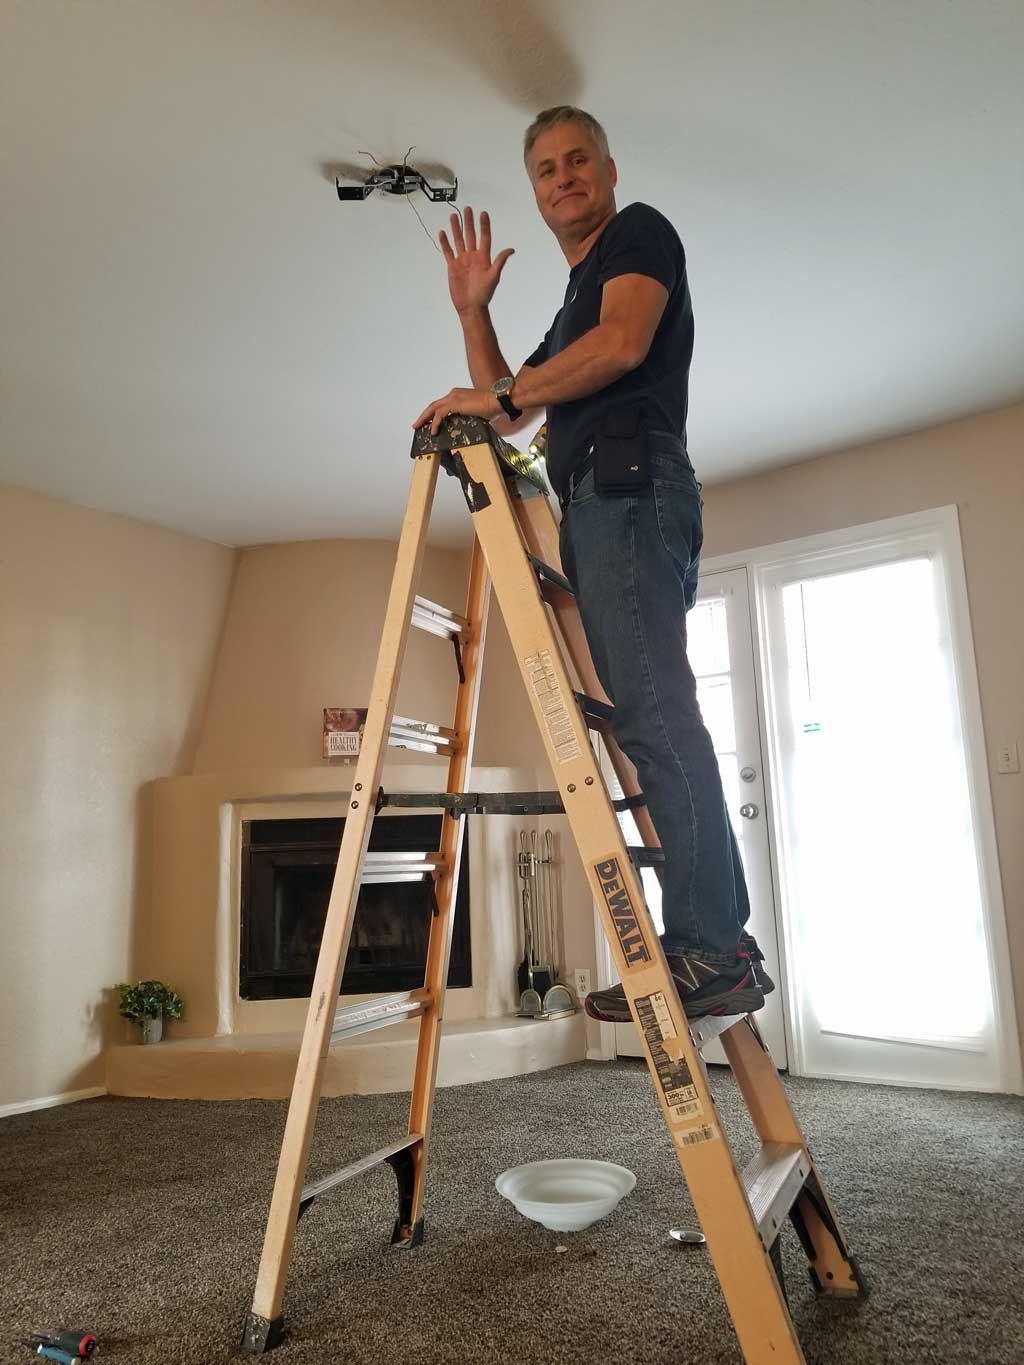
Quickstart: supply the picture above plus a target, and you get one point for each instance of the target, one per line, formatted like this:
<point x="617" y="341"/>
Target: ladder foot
<point x="405" y="1236"/>
<point x="406" y="1233"/>
<point x="861" y="1291"/>
<point x="262" y="1334"/>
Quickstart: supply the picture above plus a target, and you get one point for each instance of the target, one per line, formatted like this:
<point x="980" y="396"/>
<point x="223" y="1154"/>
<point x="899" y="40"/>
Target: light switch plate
<point x="1008" y="758"/>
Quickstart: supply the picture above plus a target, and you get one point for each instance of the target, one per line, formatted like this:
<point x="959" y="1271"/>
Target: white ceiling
<point x="197" y="333"/>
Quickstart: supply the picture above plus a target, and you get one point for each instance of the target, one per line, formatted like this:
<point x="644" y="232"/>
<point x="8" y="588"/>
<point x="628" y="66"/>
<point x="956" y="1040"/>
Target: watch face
<point x="504" y="386"/>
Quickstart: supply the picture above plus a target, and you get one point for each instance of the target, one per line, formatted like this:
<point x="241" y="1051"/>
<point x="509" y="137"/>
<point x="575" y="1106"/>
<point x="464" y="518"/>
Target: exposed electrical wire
<point x="426" y="230"/>
<point x="423" y="225"/>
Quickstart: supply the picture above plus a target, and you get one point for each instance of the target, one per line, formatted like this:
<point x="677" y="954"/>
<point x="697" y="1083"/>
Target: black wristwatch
<point x="501" y="390"/>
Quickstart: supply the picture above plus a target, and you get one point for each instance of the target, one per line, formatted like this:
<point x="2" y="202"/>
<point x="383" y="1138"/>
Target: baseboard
<point x="605" y="1051"/>
<point x="51" y="1101"/>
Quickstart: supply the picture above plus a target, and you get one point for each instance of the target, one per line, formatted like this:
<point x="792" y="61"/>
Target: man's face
<point x="572" y="182"/>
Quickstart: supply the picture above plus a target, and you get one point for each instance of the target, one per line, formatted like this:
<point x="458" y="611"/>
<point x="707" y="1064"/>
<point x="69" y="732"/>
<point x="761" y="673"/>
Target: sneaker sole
<point x="744" y="1001"/>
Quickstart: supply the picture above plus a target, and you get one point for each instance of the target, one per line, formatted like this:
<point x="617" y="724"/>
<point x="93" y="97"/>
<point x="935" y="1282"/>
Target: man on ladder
<point x="612" y="373"/>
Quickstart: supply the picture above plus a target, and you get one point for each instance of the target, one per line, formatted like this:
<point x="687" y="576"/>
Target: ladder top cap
<point x="459" y="431"/>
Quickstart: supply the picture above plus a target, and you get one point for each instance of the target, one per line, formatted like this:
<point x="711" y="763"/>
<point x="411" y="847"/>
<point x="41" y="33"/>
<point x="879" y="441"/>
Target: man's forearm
<point x="486" y="363"/>
<point x="590" y="364"/>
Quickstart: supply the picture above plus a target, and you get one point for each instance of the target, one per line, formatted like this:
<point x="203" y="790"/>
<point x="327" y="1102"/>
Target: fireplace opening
<point x="287" y="873"/>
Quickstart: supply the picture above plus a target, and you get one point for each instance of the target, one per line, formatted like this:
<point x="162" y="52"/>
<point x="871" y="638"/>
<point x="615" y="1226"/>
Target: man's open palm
<point x="472" y="275"/>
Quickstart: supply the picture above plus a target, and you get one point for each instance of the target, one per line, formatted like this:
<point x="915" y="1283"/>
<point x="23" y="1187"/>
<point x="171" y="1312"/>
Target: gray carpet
<point x="142" y="1221"/>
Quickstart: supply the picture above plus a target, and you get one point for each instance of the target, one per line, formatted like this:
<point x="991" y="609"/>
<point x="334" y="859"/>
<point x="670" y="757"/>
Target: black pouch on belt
<point x="622" y="465"/>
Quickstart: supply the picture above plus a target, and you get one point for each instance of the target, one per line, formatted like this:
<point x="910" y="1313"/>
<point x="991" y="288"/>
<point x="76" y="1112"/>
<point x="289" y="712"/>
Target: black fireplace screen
<point x="287" y="874"/>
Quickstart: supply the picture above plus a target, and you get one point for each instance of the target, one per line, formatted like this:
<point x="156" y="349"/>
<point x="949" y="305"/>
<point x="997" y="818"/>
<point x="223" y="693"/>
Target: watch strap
<point x="509" y="406"/>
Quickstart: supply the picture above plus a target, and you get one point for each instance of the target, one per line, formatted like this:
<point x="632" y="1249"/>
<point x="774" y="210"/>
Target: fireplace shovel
<point x="558" y="999"/>
<point x="530" y="1002"/>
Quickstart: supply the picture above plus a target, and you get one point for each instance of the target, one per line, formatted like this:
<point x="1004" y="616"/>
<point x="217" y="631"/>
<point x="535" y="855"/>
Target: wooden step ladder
<point x="741" y="1212"/>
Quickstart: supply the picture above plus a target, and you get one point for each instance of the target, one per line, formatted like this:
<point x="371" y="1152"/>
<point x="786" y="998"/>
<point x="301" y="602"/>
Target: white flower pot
<point x="152" y="1029"/>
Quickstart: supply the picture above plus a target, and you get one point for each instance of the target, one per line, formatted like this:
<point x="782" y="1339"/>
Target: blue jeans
<point x="633" y="563"/>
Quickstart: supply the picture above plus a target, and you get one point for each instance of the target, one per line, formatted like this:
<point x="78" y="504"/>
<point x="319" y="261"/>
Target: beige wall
<point x="977" y="464"/>
<point x="108" y="631"/>
<point x="303" y="632"/>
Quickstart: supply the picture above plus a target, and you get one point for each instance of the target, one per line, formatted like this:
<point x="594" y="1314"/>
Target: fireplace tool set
<point x="541" y="996"/>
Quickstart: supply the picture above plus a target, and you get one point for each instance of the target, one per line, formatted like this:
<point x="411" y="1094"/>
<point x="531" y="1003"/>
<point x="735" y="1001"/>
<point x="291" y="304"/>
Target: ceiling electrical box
<point x="402" y="180"/>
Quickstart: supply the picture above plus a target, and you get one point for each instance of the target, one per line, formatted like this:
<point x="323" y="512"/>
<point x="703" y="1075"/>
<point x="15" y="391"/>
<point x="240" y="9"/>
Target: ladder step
<point x="401" y="867"/>
<point x="643" y="856"/>
<point x="372" y="1014"/>
<point x="422" y="736"/>
<point x="494" y="803"/>
<point x="772" y="1180"/>
<point x="702" y="1031"/>
<point x="597" y="714"/>
<point x="547" y="577"/>
<point x="437" y="620"/>
<point x="365" y="1163"/>
<point x="478" y="803"/>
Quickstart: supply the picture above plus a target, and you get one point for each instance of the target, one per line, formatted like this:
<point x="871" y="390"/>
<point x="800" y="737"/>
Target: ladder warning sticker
<point x="673" y="1073"/>
<point x="557" y="718"/>
<point x="660" y="1007"/>
<point x="623" y="912"/>
<point x="707" y="1132"/>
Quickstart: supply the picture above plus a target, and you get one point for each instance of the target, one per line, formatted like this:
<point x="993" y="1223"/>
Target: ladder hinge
<point x="458" y="659"/>
<point x="475" y="493"/>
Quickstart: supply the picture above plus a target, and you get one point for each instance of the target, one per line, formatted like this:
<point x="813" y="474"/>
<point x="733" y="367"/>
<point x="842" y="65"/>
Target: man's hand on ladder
<point x="469" y="402"/>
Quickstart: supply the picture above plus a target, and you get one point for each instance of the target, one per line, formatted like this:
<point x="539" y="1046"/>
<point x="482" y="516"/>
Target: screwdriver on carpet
<point x="66" y="1347"/>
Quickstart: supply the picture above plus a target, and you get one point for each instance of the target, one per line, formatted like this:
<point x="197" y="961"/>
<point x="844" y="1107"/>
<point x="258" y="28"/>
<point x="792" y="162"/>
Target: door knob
<point x="749" y="812"/>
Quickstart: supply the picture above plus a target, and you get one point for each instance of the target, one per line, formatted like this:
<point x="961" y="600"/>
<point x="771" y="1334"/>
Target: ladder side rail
<point x="298" y="1134"/>
<point x="453" y="836"/>
<point x="773" y="1118"/>
<point x="745" y="1272"/>
<point x="540" y="532"/>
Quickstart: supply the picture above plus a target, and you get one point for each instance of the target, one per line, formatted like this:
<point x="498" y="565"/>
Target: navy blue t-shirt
<point x="638" y="241"/>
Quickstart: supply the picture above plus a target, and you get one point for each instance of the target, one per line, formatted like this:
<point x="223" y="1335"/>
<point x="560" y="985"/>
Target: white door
<point x="721" y="654"/>
<point x="890" y="944"/>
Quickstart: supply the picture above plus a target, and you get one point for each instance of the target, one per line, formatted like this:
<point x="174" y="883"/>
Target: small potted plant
<point x="146" y="1003"/>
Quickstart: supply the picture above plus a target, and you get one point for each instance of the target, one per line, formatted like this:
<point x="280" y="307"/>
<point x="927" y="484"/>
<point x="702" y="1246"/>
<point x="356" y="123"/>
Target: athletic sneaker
<point x="703" y="987"/>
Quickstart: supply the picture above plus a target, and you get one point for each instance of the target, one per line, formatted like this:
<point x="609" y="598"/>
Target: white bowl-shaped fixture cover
<point x="566" y="1195"/>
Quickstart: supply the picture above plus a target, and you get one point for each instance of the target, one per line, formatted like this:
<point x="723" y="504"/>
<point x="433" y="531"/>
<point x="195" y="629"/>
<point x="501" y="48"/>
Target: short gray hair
<point x="564" y="113"/>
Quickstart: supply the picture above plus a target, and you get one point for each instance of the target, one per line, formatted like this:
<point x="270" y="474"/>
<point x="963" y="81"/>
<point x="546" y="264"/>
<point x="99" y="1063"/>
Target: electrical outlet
<point x="581" y="982"/>
<point x="1007" y="758"/>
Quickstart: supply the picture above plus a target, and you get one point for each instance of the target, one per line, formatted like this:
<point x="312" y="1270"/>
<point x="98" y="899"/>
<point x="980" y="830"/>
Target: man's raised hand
<point x="472" y="275"/>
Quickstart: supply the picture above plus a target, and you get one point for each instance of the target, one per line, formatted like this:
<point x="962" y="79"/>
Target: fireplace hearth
<point x="287" y="873"/>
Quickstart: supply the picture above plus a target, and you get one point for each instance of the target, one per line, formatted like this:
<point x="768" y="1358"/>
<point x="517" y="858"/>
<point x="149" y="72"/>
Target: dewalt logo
<point x="623" y="912"/>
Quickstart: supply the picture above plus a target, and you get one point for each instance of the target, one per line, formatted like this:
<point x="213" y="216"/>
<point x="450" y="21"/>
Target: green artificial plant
<point x="149" y="1000"/>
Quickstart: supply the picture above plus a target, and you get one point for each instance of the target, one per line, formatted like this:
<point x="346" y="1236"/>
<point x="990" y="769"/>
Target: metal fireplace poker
<point x="542" y="995"/>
